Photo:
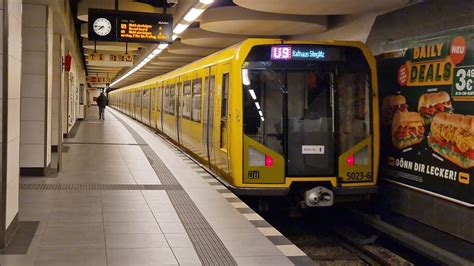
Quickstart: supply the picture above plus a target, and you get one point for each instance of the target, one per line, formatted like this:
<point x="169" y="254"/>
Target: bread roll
<point x="406" y="119"/>
<point x="465" y="122"/>
<point x="431" y="99"/>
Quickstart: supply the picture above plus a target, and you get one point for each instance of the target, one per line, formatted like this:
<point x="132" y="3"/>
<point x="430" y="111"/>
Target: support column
<point x="11" y="56"/>
<point x="36" y="90"/>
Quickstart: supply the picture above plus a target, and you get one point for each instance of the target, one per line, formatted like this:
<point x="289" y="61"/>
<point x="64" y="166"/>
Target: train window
<point x="152" y="100"/>
<point x="159" y="97"/>
<point x="187" y="100"/>
<point x="172" y="101"/>
<point x="225" y="91"/>
<point x="196" y="110"/>
<point x="166" y="100"/>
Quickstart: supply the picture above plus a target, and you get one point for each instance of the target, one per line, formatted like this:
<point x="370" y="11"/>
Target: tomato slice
<point x="440" y="107"/>
<point x="469" y="154"/>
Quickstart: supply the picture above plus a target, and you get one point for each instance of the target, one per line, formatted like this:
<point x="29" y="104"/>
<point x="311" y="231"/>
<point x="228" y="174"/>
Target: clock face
<point x="102" y="26"/>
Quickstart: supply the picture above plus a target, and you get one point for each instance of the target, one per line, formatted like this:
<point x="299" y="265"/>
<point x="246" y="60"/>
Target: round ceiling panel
<point x="319" y="7"/>
<point x="200" y="37"/>
<point x="183" y="49"/>
<point x="242" y="21"/>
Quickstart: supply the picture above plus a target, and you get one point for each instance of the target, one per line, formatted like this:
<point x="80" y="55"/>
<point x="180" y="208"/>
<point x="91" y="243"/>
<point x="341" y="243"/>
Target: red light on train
<point x="350" y="160"/>
<point x="268" y="161"/>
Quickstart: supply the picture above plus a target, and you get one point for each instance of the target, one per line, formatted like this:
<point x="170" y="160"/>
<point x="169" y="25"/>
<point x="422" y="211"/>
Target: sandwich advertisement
<point x="426" y="88"/>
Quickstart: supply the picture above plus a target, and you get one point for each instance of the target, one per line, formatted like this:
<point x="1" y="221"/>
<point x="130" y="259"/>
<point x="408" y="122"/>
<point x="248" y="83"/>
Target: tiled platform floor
<point x="128" y="226"/>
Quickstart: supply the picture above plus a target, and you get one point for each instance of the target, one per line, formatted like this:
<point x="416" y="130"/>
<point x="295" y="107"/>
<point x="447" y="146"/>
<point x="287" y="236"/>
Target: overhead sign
<point x="98" y="79"/>
<point x="427" y="118"/>
<point x="110" y="59"/>
<point x="119" y="26"/>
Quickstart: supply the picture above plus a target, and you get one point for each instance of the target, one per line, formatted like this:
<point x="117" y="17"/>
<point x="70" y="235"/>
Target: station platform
<point x="126" y="196"/>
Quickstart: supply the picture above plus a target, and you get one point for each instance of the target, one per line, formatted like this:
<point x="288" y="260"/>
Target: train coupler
<point x="319" y="197"/>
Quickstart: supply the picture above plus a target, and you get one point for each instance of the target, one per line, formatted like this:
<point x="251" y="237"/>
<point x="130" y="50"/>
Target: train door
<point x="221" y="143"/>
<point x="309" y="130"/>
<point x="179" y="97"/>
<point x="208" y="114"/>
<point x="161" y="93"/>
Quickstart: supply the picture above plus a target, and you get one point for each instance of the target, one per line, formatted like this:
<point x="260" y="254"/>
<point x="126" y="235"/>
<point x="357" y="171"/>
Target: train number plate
<point x="254" y="174"/>
<point x="358" y="176"/>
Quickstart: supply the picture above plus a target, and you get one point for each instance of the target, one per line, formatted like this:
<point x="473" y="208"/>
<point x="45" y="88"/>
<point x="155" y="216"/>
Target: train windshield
<point x="309" y="103"/>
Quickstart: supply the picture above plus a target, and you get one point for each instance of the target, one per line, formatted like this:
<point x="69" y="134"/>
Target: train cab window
<point x="196" y="107"/>
<point x="187" y="100"/>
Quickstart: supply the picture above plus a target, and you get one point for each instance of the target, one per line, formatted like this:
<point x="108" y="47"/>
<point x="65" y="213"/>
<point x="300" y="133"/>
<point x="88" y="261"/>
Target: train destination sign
<point x="119" y="26"/>
<point x="304" y="53"/>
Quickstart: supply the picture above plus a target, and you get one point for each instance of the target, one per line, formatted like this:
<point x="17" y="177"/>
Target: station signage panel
<point x="429" y="82"/>
<point x="137" y="27"/>
<point x="110" y="59"/>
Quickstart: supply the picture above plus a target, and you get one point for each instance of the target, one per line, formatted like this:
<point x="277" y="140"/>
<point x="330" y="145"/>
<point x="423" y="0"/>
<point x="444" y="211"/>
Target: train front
<point x="310" y="121"/>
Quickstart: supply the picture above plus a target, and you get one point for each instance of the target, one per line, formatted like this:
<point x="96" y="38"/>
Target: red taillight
<point x="350" y="160"/>
<point x="268" y="161"/>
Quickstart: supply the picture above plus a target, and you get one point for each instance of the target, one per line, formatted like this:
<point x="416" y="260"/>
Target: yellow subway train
<point x="272" y="117"/>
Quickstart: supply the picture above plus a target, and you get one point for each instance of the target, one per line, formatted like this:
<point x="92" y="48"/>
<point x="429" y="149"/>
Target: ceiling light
<point x="156" y="51"/>
<point x="257" y="105"/>
<point x="193" y="14"/>
<point x="162" y="46"/>
<point x="206" y="2"/>
<point x="175" y="37"/>
<point x="180" y="28"/>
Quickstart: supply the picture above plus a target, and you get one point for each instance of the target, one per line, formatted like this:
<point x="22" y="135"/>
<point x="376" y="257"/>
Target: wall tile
<point x="34" y="39"/>
<point x="12" y="200"/>
<point x="15" y="7"/>
<point x="32" y="132"/>
<point x="31" y="155"/>
<point x="13" y="119"/>
<point x="1" y="30"/>
<point x="34" y="62"/>
<point x="14" y="37"/>
<point x="33" y="86"/>
<point x="34" y="15"/>
<point x="54" y="135"/>
<point x="13" y="159"/>
<point x="33" y="109"/>
<point x="14" y="78"/>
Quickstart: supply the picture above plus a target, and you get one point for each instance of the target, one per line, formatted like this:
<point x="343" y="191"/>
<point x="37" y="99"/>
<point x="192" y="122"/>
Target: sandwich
<point x="391" y="104"/>
<point x="430" y="104"/>
<point x="452" y="136"/>
<point x="407" y="129"/>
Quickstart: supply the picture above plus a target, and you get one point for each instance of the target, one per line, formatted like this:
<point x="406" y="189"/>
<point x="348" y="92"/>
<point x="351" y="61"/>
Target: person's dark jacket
<point x="102" y="101"/>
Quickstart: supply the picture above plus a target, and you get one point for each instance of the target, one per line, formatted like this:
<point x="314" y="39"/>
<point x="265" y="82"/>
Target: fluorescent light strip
<point x="180" y="28"/>
<point x="252" y="93"/>
<point x="258" y="105"/>
<point x="193" y="14"/>
<point x="206" y="2"/>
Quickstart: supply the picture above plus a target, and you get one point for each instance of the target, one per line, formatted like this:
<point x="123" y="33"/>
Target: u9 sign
<point x="281" y="52"/>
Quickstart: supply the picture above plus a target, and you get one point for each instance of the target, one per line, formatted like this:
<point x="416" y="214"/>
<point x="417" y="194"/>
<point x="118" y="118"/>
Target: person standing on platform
<point x="102" y="102"/>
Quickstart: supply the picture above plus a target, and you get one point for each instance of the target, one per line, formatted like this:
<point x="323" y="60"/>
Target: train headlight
<point x="257" y="158"/>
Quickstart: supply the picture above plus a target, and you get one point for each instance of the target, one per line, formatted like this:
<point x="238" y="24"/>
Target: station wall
<point x="422" y="19"/>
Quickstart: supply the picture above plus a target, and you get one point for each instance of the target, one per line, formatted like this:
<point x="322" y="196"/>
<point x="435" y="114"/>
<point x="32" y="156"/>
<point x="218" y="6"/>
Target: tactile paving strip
<point x="98" y="187"/>
<point x="208" y="246"/>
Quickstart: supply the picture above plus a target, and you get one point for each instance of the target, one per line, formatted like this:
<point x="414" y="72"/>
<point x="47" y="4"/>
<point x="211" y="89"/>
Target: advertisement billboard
<point x="427" y="113"/>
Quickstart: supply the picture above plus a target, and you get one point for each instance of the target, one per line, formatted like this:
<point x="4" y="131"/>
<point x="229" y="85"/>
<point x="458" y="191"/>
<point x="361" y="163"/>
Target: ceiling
<point x="224" y="23"/>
